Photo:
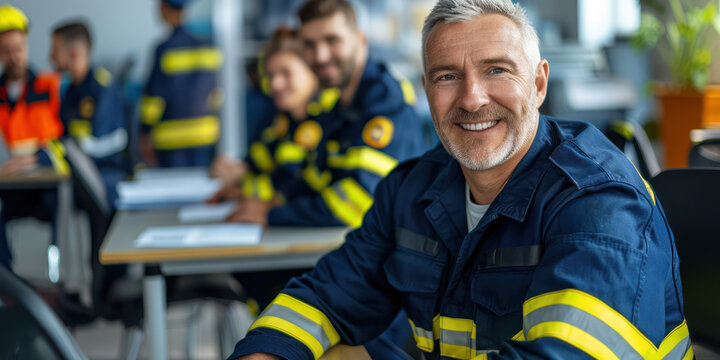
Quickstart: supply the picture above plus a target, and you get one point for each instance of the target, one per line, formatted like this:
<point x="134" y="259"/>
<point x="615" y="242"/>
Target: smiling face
<point x="292" y="83"/>
<point x="331" y="48"/>
<point x="483" y="94"/>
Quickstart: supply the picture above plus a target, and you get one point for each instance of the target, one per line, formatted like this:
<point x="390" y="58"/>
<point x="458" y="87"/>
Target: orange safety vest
<point x="33" y="120"/>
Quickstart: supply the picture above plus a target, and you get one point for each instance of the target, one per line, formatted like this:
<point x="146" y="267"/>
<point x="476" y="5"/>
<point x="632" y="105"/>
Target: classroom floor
<point x="102" y="339"/>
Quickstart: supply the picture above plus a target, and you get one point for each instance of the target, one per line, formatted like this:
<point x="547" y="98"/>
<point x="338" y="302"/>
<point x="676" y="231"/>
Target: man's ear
<point x="541" y="81"/>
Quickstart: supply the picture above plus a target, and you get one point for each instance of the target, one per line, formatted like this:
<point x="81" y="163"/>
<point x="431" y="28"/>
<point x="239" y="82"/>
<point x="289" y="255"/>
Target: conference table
<point x="279" y="248"/>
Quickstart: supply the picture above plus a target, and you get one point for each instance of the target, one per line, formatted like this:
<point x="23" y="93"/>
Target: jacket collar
<point x="515" y="198"/>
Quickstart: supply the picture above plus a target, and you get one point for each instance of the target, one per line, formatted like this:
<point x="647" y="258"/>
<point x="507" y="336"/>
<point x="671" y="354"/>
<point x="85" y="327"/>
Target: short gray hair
<point x="447" y="11"/>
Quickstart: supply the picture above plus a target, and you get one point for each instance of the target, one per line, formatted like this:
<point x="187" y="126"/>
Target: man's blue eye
<point x="497" y="71"/>
<point x="447" y="77"/>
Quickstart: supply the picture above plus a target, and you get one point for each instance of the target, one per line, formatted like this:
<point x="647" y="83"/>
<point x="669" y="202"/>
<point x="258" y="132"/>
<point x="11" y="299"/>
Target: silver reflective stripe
<point x="99" y="147"/>
<point x="585" y="322"/>
<point x="459" y="338"/>
<point x="679" y="351"/>
<point x="423" y="333"/>
<point x="313" y="328"/>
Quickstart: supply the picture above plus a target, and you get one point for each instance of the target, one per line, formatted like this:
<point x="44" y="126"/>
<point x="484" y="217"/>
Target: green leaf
<point x="709" y="13"/>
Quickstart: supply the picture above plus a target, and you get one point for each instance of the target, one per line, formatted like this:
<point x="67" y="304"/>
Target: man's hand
<point x="226" y="169"/>
<point x="18" y="164"/>
<point x="252" y="211"/>
<point x="260" y="356"/>
<point x="147" y="152"/>
<point x="229" y="192"/>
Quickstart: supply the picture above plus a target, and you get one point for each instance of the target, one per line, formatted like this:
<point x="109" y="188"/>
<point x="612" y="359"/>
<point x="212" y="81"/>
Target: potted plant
<point x="687" y="102"/>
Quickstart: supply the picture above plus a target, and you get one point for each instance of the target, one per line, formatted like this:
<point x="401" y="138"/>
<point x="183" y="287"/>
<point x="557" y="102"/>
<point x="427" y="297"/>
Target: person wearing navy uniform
<point x="369" y="130"/>
<point x="181" y="99"/>
<point x="92" y="108"/>
<point x="521" y="237"/>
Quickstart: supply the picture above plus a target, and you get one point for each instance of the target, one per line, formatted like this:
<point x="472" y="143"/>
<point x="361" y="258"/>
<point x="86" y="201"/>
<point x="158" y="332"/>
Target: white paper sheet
<point x="205" y="212"/>
<point x="200" y="236"/>
<point x="173" y="173"/>
<point x="166" y="191"/>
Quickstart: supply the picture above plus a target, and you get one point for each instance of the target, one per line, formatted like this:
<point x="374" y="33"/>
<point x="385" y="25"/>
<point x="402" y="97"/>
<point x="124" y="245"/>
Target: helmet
<point x="12" y="18"/>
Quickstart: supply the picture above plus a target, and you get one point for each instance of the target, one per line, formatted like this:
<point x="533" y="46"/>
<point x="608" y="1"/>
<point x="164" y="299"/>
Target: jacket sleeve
<point x="152" y="102"/>
<point x="108" y="136"/>
<point x="607" y="286"/>
<point x="345" y="187"/>
<point x="345" y="298"/>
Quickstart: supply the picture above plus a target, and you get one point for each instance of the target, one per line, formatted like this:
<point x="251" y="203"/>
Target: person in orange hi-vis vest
<point x="29" y="124"/>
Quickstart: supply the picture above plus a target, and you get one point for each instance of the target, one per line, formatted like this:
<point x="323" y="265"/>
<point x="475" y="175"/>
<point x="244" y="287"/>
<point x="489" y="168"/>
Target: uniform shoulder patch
<point x="102" y="76"/>
<point x="308" y="134"/>
<point x="87" y="107"/>
<point x="378" y="132"/>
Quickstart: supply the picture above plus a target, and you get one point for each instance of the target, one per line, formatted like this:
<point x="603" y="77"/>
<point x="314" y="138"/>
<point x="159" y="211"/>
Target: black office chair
<point x="30" y="329"/>
<point x="705" y="154"/>
<point x="631" y="139"/>
<point x="691" y="199"/>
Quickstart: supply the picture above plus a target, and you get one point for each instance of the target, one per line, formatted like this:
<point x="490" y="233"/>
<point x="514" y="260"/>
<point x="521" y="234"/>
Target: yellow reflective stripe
<point x="423" y="342"/>
<point x="56" y="153"/>
<point x="102" y="76"/>
<point x="260" y="155"/>
<point x="151" y="109"/>
<point x="80" y="128"/>
<point x="328" y="98"/>
<point x="189" y="60"/>
<point x="265" y="191"/>
<point x="647" y="186"/>
<point x="462" y="331"/>
<point x="672" y="339"/>
<point x="598" y="309"/>
<point x="456" y="351"/>
<point x="689" y="354"/>
<point x="341" y="209"/>
<point x="248" y="185"/>
<point x="408" y="92"/>
<point x="311" y="313"/>
<point x="365" y="158"/>
<point x="316" y="180"/>
<point x="519" y="336"/>
<point x="573" y="336"/>
<point x="356" y="194"/>
<point x="480" y="357"/>
<point x="289" y="153"/>
<point x="184" y="133"/>
<point x="291" y="330"/>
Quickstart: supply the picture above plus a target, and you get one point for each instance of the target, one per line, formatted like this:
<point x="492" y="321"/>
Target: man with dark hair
<point x="369" y="130"/>
<point x="92" y="108"/>
<point x="29" y="125"/>
<point x="178" y="109"/>
<point x="519" y="237"/>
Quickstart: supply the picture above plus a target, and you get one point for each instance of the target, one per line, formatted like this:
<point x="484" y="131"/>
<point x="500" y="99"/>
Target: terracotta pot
<point x="682" y="110"/>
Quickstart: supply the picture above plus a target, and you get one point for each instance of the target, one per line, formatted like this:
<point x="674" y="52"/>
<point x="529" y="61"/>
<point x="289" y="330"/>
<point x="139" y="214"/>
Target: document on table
<point x="173" y="173"/>
<point x="155" y="192"/>
<point x="205" y="212"/>
<point x="200" y="236"/>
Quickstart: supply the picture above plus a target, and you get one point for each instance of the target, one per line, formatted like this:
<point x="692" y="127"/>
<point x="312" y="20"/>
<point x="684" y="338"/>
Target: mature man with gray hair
<point x="522" y="236"/>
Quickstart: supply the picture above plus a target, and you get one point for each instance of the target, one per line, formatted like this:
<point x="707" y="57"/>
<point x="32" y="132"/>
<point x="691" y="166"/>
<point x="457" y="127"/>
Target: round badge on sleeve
<point x="378" y="132"/>
<point x="308" y="134"/>
<point x="87" y="107"/>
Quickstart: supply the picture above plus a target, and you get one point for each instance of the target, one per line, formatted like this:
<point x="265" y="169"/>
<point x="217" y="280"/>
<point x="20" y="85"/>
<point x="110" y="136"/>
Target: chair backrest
<point x="87" y="176"/>
<point x="691" y="200"/>
<point x="627" y="136"/>
<point x="705" y="154"/>
<point x="31" y="330"/>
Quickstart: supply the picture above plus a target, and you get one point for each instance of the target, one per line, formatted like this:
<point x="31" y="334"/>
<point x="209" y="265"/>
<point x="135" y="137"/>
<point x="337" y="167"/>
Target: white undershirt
<point x="473" y="211"/>
<point x="14" y="89"/>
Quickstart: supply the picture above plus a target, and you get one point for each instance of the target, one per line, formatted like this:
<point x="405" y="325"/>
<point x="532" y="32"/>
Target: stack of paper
<point x="206" y="212"/>
<point x="165" y="193"/>
<point x="200" y="236"/>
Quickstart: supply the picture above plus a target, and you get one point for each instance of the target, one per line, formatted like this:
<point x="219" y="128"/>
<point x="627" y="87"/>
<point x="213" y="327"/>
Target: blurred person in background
<point x="278" y="156"/>
<point x="360" y="144"/>
<point x="29" y="124"/>
<point x="181" y="99"/>
<point x="92" y="109"/>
